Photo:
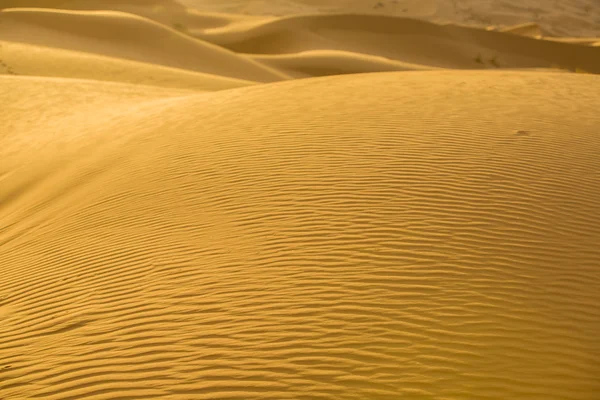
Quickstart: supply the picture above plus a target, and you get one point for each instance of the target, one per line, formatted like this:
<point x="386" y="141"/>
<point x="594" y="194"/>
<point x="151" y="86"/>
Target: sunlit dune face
<point x="196" y="204"/>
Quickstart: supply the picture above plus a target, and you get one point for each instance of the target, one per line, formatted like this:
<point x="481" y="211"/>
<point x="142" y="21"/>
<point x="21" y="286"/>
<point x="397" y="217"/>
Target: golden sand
<point x="183" y="217"/>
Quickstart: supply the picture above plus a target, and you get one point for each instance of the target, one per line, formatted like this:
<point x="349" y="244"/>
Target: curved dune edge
<point x="331" y="62"/>
<point x="176" y="223"/>
<point x="403" y="39"/>
<point x="41" y="61"/>
<point x="570" y="18"/>
<point x="432" y="235"/>
<point x="127" y="36"/>
<point x="168" y="45"/>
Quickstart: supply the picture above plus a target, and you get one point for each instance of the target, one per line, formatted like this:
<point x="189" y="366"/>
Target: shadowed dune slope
<point x="395" y="235"/>
<point x="403" y="39"/>
<point x="127" y="36"/>
<point x="267" y="49"/>
<point x="555" y="17"/>
<point x="331" y="62"/>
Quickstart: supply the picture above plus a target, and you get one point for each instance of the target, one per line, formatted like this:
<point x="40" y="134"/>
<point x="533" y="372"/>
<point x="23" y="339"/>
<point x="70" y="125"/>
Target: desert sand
<point x="299" y="200"/>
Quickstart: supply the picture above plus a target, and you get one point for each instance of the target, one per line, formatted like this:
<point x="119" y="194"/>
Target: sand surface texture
<point x="312" y="203"/>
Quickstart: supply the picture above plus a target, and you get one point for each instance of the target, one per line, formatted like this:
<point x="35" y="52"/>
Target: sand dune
<point x="32" y="60"/>
<point x="443" y="244"/>
<point x="555" y="17"/>
<point x="126" y="36"/>
<point x="332" y="62"/>
<point x="182" y="216"/>
<point x="403" y="39"/>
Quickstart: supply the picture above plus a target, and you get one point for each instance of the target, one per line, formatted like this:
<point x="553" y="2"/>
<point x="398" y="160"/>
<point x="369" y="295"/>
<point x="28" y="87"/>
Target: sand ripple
<point x="421" y="235"/>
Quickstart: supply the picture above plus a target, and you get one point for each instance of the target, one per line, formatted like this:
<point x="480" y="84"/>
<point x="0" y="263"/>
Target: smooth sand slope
<point x="181" y="219"/>
<point x="124" y="35"/>
<point x="403" y="39"/>
<point x="110" y="45"/>
<point x="555" y="17"/>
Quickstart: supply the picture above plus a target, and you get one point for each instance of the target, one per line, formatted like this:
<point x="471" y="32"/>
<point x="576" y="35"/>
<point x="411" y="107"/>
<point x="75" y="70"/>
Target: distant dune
<point x="184" y="215"/>
<point x="554" y="17"/>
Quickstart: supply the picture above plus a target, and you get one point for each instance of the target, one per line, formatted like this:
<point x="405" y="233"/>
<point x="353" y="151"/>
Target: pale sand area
<point x="182" y="218"/>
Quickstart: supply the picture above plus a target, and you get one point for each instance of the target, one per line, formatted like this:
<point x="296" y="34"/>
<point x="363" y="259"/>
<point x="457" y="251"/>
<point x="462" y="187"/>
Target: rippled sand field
<point x="183" y="215"/>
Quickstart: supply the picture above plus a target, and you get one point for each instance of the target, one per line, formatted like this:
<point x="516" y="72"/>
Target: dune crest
<point x="126" y="36"/>
<point x="267" y="49"/>
<point x="207" y="205"/>
<point x="182" y="248"/>
<point x="555" y="17"/>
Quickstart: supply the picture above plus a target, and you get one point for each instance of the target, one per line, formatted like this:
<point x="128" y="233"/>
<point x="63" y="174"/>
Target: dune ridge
<point x="218" y="206"/>
<point x="403" y="39"/>
<point x="126" y="36"/>
<point x="37" y="61"/>
<point x="425" y="253"/>
<point x="267" y="49"/>
<point x="554" y="17"/>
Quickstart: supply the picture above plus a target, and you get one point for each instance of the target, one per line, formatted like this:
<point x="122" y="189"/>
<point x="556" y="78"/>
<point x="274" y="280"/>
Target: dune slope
<point x="555" y="17"/>
<point x="402" y="39"/>
<point x="176" y="222"/>
<point x="265" y="49"/>
<point x="126" y="36"/>
<point x="43" y="61"/>
<point x="420" y="235"/>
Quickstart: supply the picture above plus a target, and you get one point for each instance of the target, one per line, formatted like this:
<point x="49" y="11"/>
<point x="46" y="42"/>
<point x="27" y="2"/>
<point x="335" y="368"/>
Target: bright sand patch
<point x="174" y="225"/>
